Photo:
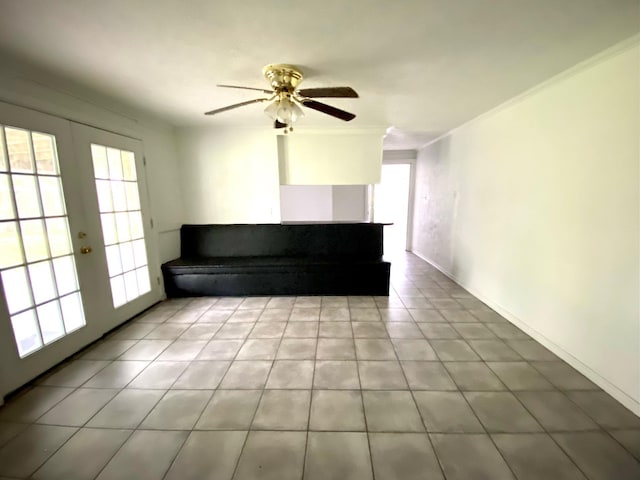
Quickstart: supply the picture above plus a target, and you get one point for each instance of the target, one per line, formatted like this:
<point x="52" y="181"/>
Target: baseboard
<point x="623" y="397"/>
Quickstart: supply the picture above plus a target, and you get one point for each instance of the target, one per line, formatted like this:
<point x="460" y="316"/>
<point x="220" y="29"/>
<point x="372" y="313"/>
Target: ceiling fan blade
<point x="231" y="107"/>
<point x="327" y="92"/>
<point x="329" y="110"/>
<point x="278" y="124"/>
<point x="246" y="88"/>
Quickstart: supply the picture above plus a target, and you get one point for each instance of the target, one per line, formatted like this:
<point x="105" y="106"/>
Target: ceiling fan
<point x="286" y="98"/>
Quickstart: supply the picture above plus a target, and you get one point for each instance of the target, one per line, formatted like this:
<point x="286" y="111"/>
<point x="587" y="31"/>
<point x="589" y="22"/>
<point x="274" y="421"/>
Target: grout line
<point x="141" y="421"/>
<point x="311" y="390"/>
<point x="131" y="432"/>
<point x="206" y="405"/>
<point x="364" y="413"/>
<point x="461" y="393"/>
<point x="415" y="404"/>
<point x="519" y="402"/>
<point x="253" y="417"/>
<point x="445" y="285"/>
<point x="600" y="427"/>
<point x="435" y="432"/>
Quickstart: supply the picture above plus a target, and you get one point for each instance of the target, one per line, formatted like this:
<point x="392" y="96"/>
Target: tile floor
<point x="428" y="383"/>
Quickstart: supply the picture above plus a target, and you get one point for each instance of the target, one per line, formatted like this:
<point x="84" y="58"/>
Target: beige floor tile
<point x="206" y="455"/>
<point x="146" y="455"/>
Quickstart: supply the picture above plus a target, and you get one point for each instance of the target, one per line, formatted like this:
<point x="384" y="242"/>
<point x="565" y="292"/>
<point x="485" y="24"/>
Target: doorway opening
<point x="391" y="205"/>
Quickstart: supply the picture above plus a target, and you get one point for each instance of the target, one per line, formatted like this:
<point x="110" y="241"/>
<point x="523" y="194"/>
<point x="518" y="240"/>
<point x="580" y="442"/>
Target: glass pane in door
<point x="114" y="171"/>
<point x="37" y="266"/>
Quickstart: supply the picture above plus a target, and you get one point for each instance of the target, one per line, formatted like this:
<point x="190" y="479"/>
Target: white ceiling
<point x="420" y="66"/>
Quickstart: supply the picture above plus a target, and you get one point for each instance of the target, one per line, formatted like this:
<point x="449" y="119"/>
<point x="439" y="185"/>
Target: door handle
<point x="85" y="250"/>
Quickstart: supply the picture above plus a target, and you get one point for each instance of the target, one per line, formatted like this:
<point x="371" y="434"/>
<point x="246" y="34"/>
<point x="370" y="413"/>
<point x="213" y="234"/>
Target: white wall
<point x="399" y="156"/>
<point x="306" y="203"/>
<point x="29" y="87"/>
<point x="534" y="207"/>
<point x="344" y="162"/>
<point x="348" y="157"/>
<point x="234" y="176"/>
<point x="349" y="203"/>
<point x="164" y="189"/>
<point x="229" y="176"/>
<point x="344" y="203"/>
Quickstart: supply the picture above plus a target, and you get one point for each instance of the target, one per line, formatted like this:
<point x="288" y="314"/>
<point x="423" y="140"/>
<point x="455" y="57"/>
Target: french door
<point x="118" y="222"/>
<point x="61" y="287"/>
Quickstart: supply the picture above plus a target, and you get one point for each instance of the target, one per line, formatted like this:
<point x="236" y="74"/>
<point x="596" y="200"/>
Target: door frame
<point x="13" y="369"/>
<point x="390" y="158"/>
<point x="83" y="136"/>
<point x="15" y="372"/>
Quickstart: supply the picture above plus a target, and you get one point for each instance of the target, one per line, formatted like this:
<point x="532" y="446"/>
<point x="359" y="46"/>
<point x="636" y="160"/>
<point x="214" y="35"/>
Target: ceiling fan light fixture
<point x="272" y="109"/>
<point x="284" y="110"/>
<point x="286" y="98"/>
<point x="293" y="111"/>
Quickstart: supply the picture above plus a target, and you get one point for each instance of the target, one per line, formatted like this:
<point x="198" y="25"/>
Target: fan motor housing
<point x="282" y="76"/>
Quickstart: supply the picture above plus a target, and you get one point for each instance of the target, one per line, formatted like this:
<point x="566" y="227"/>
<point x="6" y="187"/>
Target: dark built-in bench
<point x="279" y="259"/>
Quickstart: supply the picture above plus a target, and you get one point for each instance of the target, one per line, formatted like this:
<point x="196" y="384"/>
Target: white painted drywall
<point x="349" y="203"/>
<point x="327" y="158"/>
<point x="323" y="203"/>
<point x="30" y="87"/>
<point x="534" y="207"/>
<point x="232" y="175"/>
<point x="163" y="179"/>
<point x="399" y="156"/>
<point x="229" y="176"/>
<point x="305" y="203"/>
